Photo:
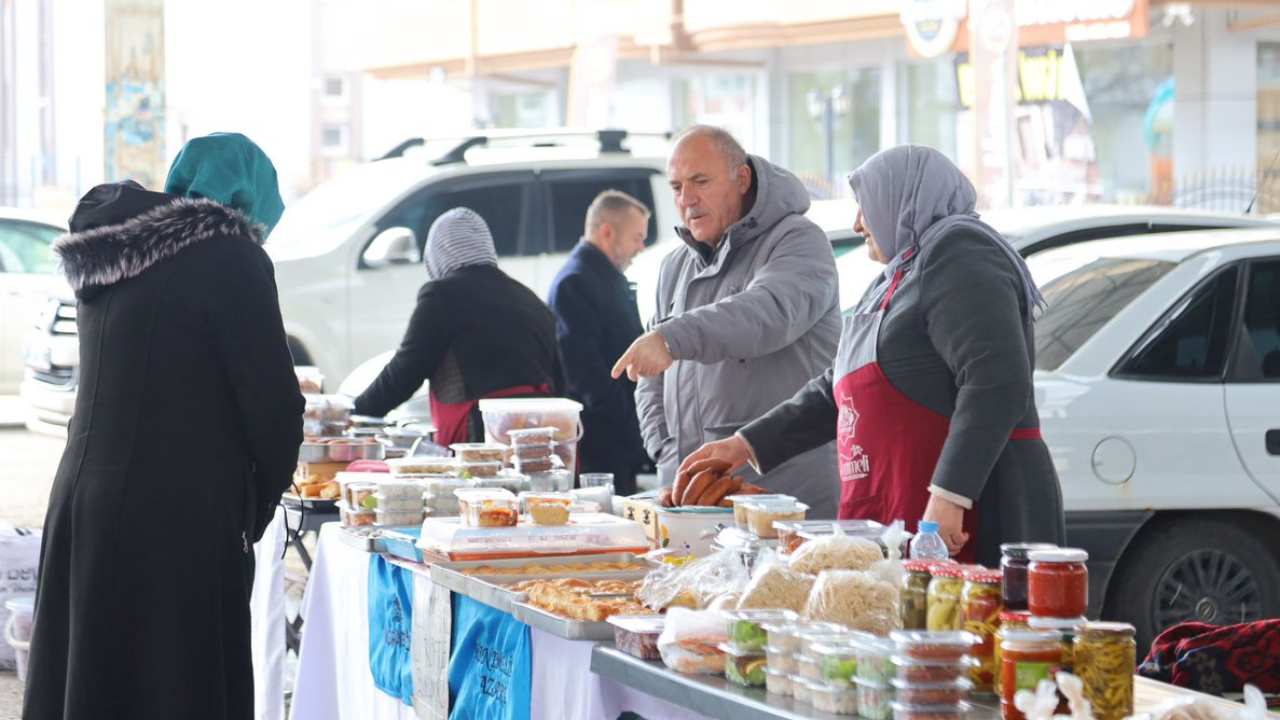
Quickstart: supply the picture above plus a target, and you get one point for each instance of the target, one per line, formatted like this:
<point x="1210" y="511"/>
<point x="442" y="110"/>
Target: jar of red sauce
<point x="1026" y="658"/>
<point x="1058" y="583"/>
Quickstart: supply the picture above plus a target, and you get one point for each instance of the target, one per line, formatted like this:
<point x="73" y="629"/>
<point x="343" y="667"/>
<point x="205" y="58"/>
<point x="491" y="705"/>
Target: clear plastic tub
<point x="310" y="379"/>
<point x="531" y="437"/>
<point x="740" y="505"/>
<point x="360" y="495"/>
<point x="502" y="415"/>
<point x="762" y="516"/>
<point x="399" y="503"/>
<point x="800" y="690"/>
<point x="957" y="711"/>
<point x="479" y="469"/>
<point x="443" y="486"/>
<point x="743" y="667"/>
<point x="531" y="453"/>
<point x="947" y="645"/>
<point x="587" y="534"/>
<point x="488" y="508"/>
<point x="440" y="505"/>
<point x="547" y="508"/>
<point x="875" y="699"/>
<point x="789" y="531"/>
<point x="479" y="452"/>
<point x="931" y="670"/>
<point x="423" y="465"/>
<point x="554" y="481"/>
<point x="390" y="517"/>
<point x="637" y="635"/>
<point x="400" y="489"/>
<point x="807" y="667"/>
<point x="931" y="693"/>
<point x="327" y="408"/>
<point x="777" y="682"/>
<point x="875" y="660"/>
<point x="782" y="660"/>
<point x="355" y="518"/>
<point x="820" y="633"/>
<point x="533" y="466"/>
<point x="834" y="700"/>
<point x="784" y="636"/>
<point x="837" y="663"/>
<point x="746" y="627"/>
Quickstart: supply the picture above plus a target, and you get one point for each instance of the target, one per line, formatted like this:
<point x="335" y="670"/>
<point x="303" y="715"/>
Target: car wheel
<point x="299" y="353"/>
<point x="1219" y="570"/>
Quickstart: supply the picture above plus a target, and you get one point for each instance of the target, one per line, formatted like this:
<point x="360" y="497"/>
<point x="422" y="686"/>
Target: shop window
<point x="835" y="126"/>
<point x="1190" y="342"/>
<point x="24" y="248"/>
<point x="932" y="105"/>
<point x="333" y="137"/>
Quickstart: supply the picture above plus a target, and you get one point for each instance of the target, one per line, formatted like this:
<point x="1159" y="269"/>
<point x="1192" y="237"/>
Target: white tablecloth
<point x="267" y="624"/>
<point x="334" y="682"/>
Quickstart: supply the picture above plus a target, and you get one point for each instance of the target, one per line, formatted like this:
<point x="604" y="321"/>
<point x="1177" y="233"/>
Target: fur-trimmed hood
<point x="108" y="254"/>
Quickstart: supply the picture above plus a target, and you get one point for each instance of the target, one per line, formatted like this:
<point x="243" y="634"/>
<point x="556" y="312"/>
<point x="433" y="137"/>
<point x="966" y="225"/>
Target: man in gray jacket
<point x="747" y="313"/>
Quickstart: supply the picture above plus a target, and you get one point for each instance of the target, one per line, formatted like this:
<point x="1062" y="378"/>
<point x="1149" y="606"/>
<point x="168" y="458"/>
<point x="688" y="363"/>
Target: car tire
<point x="298" y="352"/>
<point x="1220" y="569"/>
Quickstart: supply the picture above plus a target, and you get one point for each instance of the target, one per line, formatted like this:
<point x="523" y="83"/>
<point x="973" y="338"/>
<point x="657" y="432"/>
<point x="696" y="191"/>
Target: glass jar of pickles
<point x="1014" y="560"/>
<point x="1026" y="658"/>
<point x="980" y="607"/>
<point x="1105" y="655"/>
<point x="1010" y="621"/>
<point x="944" y="598"/>
<point x="914" y="599"/>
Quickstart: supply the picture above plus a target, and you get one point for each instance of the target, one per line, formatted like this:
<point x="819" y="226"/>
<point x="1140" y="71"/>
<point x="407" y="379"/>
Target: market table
<point x="334" y="681"/>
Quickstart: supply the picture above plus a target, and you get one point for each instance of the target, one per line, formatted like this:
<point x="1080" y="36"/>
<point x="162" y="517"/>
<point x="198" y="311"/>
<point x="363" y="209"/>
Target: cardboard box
<point x="318" y="472"/>
<point x="643" y="510"/>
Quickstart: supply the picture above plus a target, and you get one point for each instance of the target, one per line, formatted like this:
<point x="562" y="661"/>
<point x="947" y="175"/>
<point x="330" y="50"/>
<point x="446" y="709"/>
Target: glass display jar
<point x="1105" y="655"/>
<point x="1026" y="658"/>
<point x="914" y="600"/>
<point x="980" y="607"/>
<point x="1058" y="583"/>
<point x="1013" y="568"/>
<point x="1010" y="621"/>
<point x="944" y="598"/>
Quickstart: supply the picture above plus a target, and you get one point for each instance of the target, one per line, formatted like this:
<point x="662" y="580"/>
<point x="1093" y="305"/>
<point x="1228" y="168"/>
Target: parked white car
<point x="1158" y="386"/>
<point x="27" y="278"/>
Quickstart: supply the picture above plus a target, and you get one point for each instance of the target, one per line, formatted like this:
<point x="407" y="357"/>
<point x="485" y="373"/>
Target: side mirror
<point x="393" y="246"/>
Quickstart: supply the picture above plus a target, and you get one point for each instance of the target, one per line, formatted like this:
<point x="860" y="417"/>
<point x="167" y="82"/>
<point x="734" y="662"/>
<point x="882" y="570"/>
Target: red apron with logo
<point x="887" y="444"/>
<point x="451" y="419"/>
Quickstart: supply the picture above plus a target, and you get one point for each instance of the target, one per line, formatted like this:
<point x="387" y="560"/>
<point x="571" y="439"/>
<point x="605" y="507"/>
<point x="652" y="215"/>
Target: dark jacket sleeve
<point x="420" y="353"/>
<point x="579" y="334"/>
<point x="972" y="299"/>
<point x="805" y="422"/>
<point x="249" y="332"/>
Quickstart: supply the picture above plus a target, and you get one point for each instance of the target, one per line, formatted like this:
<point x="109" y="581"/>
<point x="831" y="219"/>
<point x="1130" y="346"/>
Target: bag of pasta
<point x="776" y="586"/>
<point x="835" y="552"/>
<point x="855" y="598"/>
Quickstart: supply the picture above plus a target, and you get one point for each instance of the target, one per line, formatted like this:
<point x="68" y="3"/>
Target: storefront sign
<point x="932" y="25"/>
<point x="491" y="666"/>
<point x="1040" y="77"/>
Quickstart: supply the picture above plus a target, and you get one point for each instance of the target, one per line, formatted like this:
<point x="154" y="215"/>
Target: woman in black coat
<point x="185" y="432"/>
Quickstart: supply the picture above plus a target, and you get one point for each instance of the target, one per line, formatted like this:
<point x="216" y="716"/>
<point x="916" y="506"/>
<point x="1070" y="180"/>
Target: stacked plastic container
<point x="793" y="669"/>
<point x="745" y="658"/>
<point x="931" y="678"/>
<point x="357" y="503"/>
<point x="504" y="416"/>
<point x="479" y="460"/>
<point x="533" y="450"/>
<point x="873" y="681"/>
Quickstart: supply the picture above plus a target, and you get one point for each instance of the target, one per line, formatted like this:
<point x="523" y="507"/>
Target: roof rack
<point x="609" y="140"/>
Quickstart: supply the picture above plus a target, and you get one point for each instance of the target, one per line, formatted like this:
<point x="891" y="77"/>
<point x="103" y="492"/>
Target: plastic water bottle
<point x="927" y="544"/>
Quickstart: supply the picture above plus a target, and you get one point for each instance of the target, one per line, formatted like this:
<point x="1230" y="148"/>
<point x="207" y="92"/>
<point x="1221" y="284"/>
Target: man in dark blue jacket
<point x="596" y="321"/>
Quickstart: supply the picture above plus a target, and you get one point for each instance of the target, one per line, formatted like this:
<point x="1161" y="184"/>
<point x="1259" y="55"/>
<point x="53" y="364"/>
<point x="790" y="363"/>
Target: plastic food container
<point x="948" y="645"/>
<point x="422" y="465"/>
<point x="355" y="518"/>
<point x="784" y="637"/>
<point x="479" y="452"/>
<point x="800" y="690"/>
<point x="762" y="516"/>
<point x="777" y="682"/>
<point x="807" y="667"/>
<point x="743" y="667"/>
<point x="479" y="469"/>
<point x="531" y="437"/>
<point x="360" y="495"/>
<point x="310" y="379"/>
<point x="488" y="508"/>
<point x="534" y="465"/>
<point x="389" y="517"/>
<point x="956" y="711"/>
<point x="740" y="505"/>
<point x="746" y="627"/>
<point x="327" y="408"/>
<point x="823" y="633"/>
<point x="875" y="699"/>
<point x="637" y="635"/>
<point x="547" y="508"/>
<point x="440" y="505"/>
<point x="502" y="415"/>
<point x="554" y="481"/>
<point x="875" y="660"/>
<point x="933" y="693"/>
<point x="443" y="486"/>
<point x="781" y="660"/>
<point x="1014" y="561"/>
<point x="530" y="453"/>
<point x="931" y="670"/>
<point x="1058" y="583"/>
<point x="400" y="490"/>
<point x="399" y="504"/>
<point x="837" y="663"/>
<point x="327" y="447"/>
<point x="834" y="700"/>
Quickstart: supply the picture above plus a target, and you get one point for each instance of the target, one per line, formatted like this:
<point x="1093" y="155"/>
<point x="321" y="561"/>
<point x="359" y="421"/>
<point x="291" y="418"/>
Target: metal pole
<point x="829" y="135"/>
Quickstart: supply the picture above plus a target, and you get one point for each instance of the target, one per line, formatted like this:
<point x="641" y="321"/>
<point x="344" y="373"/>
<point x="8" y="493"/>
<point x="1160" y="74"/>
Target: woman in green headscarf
<point x="185" y="432"/>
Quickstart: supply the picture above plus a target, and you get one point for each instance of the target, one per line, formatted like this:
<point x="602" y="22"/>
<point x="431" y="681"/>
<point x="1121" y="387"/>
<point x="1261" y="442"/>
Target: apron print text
<point x="854" y="463"/>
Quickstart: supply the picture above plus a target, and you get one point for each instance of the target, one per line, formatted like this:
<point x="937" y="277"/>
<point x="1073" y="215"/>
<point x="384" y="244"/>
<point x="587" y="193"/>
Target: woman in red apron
<point x="930" y="396"/>
<point x="476" y="333"/>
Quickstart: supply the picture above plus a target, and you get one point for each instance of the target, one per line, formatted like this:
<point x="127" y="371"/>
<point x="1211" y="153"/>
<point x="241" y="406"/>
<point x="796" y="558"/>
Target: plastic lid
<point x="1096" y="629"/>
<point x="819" y="629"/>
<point x="787" y="627"/>
<point x="1060" y="555"/>
<point x="847" y="648"/>
<point x="21" y="604"/>
<point x="1031" y="636"/>
<point x="1018" y="616"/>
<point x="529" y="405"/>
<point x="734" y="650"/>
<point x="871" y="684"/>
<point x="643" y="624"/>
<point x="962" y="661"/>
<point x="761" y="616"/>
<point x="484" y="494"/>
<point x="463" y="447"/>
<point x="762" y="499"/>
<point x="531" y="432"/>
<point x="776" y="506"/>
<point x="928" y="526"/>
<point x="983" y="575"/>
<point x="958" y="638"/>
<point x="959" y="708"/>
<point x="1057" y="624"/>
<point x="478" y="463"/>
<point x="1021" y="550"/>
<point x="960" y="684"/>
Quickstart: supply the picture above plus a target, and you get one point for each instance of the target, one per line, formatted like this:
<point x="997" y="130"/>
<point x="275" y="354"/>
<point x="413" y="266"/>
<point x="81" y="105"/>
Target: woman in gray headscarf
<point x="476" y="333"/>
<point x="930" y="398"/>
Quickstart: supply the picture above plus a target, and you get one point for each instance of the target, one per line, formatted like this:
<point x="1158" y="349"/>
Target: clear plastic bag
<point x="1192" y="708"/>
<point x="836" y="551"/>
<point x="890" y="568"/>
<point x="690" y="642"/>
<point x="857" y="599"/>
<point x="775" y="585"/>
<point x="696" y="583"/>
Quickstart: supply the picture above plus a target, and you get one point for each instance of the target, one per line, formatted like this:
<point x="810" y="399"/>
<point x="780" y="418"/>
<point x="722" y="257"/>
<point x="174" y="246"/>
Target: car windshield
<point x="1082" y="301"/>
<point x="320" y="220"/>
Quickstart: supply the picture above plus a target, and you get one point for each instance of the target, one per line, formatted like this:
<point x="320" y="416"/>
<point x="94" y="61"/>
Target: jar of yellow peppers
<point x="1105" y="654"/>
<point x="980" y="607"/>
<point x="944" y="598"/>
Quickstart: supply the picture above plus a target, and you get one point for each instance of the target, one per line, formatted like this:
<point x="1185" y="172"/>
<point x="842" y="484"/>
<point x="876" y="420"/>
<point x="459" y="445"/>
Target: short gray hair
<point x="609" y="205"/>
<point x="734" y="156"/>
